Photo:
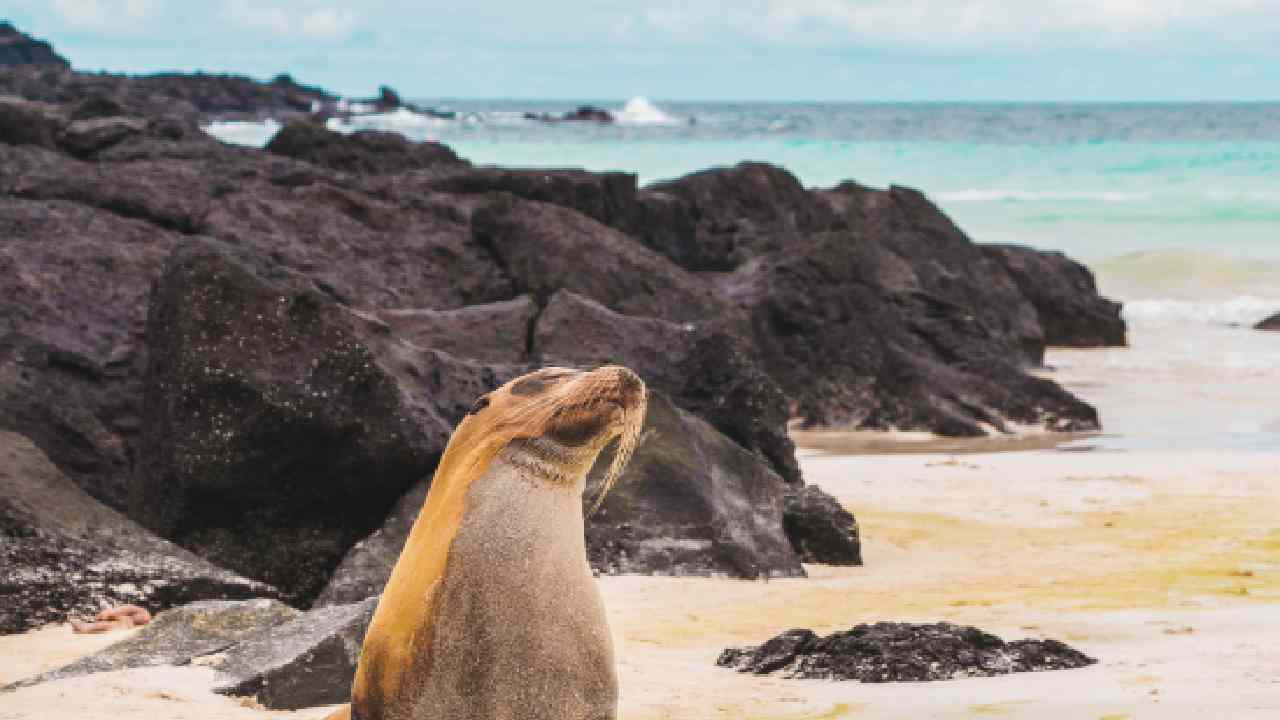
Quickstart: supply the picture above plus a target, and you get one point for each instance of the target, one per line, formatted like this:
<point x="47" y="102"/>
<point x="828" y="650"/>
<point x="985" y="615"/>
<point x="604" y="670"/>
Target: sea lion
<point x="491" y="612"/>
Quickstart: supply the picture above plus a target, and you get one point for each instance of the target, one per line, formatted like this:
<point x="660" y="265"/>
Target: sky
<point x="780" y="50"/>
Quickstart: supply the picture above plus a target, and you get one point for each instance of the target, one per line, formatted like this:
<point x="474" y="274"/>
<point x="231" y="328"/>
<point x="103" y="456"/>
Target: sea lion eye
<point x="481" y="404"/>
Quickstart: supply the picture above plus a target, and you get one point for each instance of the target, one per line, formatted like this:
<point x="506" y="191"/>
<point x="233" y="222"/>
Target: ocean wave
<point x="998" y="195"/>
<point x="402" y="120"/>
<point x="640" y="111"/>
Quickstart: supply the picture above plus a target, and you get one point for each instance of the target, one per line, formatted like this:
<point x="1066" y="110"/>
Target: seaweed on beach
<point x="901" y="652"/>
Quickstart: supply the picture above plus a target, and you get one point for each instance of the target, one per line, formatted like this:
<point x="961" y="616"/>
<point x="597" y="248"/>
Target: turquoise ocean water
<point x="1175" y="206"/>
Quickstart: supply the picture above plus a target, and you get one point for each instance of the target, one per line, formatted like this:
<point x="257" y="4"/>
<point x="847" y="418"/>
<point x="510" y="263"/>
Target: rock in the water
<point x="63" y="555"/>
<point x="1271" y="323"/>
<point x="898" y="652"/>
<point x="819" y="528"/>
<point x="691" y="502"/>
<point x="366" y="152"/>
<point x="1065" y="296"/>
<point x="308" y="661"/>
<point x="176" y="636"/>
<point x="17" y="48"/>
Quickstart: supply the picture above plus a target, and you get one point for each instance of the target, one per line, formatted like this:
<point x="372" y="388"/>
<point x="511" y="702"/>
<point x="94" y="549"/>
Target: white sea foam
<point x="253" y="133"/>
<point x="402" y="120"/>
<point x="640" y="111"/>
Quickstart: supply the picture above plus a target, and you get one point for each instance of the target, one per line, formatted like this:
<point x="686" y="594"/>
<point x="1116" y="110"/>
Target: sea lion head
<point x="561" y="418"/>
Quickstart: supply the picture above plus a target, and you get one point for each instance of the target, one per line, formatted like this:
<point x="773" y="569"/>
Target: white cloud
<point x="303" y="19"/>
<point x="967" y="23"/>
<point x="106" y="15"/>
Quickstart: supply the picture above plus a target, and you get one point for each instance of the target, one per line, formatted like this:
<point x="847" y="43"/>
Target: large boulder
<point x="491" y="332"/>
<point x="737" y="213"/>
<point x="365" y="152"/>
<point x="64" y="555"/>
<point x="18" y="48"/>
<point x="1065" y="296"/>
<point x="273" y="438"/>
<point x="366" y="568"/>
<point x="691" y="502"/>
<point x="900" y="322"/>
<point x="609" y="198"/>
<point x="308" y="661"/>
<point x="179" y="635"/>
<point x="545" y="248"/>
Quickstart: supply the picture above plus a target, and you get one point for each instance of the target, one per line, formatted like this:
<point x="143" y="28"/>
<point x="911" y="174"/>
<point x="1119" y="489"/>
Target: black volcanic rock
<point x="273" y="438"/>
<point x="899" y="322"/>
<point x="691" y="502"/>
<point x="1065" y="296"/>
<point x="63" y="555"/>
<point x="901" y="652"/>
<point x="17" y="48"/>
<point x="609" y="197"/>
<point x="544" y="248"/>
<point x="365" y="152"/>
<point x="1271" y="323"/>
<point x="588" y="113"/>
<point x="738" y="213"/>
<point x="819" y="528"/>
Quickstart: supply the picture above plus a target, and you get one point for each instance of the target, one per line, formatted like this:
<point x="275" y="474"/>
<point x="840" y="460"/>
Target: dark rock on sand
<point x="176" y="636"/>
<point x="819" y="528"/>
<point x="366" y="152"/>
<point x="1065" y="296"/>
<point x="308" y="661"/>
<point x="63" y="555"/>
<point x="18" y="48"/>
<point x="900" y="322"/>
<point x="274" y="439"/>
<point x="897" y="652"/>
<point x="1271" y="323"/>
<point x="691" y="502"/>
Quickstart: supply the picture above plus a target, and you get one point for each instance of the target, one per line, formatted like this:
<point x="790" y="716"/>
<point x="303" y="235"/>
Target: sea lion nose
<point x="629" y="384"/>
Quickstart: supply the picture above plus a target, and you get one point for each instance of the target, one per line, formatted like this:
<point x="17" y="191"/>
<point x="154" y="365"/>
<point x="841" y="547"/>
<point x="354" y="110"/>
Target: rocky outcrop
<point x="20" y="49"/>
<point x="1065" y="296"/>
<point x="901" y="652"/>
<point x="64" y="555"/>
<point x="365" y="569"/>
<point x="366" y="152"/>
<point x="274" y="438"/>
<point x="308" y="661"/>
<point x="1271" y="323"/>
<point x="179" y="635"/>
<point x="738" y="213"/>
<point x="819" y="528"/>
<point x="691" y="502"/>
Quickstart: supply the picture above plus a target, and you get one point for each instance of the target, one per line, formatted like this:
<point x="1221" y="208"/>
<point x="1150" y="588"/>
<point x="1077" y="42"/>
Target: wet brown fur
<point x="579" y="411"/>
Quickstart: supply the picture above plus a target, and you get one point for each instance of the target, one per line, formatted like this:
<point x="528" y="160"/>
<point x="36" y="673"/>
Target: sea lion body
<point x="492" y="612"/>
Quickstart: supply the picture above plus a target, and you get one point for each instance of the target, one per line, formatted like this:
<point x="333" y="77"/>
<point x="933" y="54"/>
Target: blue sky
<point x="828" y="50"/>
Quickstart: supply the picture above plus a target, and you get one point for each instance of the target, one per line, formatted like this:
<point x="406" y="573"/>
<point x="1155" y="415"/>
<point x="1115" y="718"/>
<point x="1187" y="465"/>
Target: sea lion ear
<point x="481" y="403"/>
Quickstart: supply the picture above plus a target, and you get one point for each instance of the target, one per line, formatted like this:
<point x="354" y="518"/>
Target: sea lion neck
<point x="547" y="461"/>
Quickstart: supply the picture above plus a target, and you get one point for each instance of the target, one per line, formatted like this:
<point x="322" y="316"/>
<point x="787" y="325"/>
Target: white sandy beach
<point x="1162" y="562"/>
